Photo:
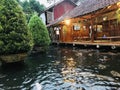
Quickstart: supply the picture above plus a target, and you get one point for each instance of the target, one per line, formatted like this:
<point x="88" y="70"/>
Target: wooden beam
<point x="92" y="29"/>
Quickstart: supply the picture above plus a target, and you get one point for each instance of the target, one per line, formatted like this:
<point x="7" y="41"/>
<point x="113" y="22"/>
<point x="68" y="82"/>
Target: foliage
<point x="14" y="34"/>
<point x="36" y="6"/>
<point x="31" y="6"/>
<point x="39" y="32"/>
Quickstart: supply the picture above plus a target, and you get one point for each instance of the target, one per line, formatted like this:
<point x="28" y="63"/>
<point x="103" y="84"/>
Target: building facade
<point x="57" y="10"/>
<point x="95" y="20"/>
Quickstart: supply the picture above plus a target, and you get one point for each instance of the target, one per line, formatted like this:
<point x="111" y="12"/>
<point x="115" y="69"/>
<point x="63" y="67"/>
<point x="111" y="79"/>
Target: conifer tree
<point x="39" y="32"/>
<point x="14" y="34"/>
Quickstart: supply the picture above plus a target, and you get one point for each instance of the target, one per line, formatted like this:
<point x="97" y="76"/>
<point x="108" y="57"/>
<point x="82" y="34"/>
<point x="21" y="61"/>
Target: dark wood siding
<point x="63" y="7"/>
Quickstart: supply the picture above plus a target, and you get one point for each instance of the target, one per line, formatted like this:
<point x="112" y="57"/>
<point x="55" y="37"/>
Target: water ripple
<point x="65" y="69"/>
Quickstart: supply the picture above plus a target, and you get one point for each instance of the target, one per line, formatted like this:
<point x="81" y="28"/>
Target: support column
<point x="92" y="35"/>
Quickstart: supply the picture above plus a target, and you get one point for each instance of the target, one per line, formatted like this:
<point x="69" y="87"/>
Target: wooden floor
<point x="97" y="43"/>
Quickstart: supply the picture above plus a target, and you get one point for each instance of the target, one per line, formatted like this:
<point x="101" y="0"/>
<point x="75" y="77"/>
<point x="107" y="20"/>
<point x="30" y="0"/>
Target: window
<point x="76" y="27"/>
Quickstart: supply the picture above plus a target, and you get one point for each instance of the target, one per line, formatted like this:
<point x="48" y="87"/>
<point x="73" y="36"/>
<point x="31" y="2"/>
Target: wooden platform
<point x="96" y="44"/>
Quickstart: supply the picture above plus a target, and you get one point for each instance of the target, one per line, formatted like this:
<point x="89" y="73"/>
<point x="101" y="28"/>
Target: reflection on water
<point x="64" y="69"/>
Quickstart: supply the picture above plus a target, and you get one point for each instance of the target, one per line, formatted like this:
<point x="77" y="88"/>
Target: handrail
<point x="110" y="37"/>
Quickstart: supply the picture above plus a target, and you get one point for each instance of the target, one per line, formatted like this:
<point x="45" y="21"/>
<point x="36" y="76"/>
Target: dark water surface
<point x="65" y="69"/>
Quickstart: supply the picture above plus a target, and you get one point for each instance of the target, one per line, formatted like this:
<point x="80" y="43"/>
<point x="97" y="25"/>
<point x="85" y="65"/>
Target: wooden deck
<point x="97" y="43"/>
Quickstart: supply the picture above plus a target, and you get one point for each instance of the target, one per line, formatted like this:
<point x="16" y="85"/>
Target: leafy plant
<point x="39" y="32"/>
<point x="14" y="33"/>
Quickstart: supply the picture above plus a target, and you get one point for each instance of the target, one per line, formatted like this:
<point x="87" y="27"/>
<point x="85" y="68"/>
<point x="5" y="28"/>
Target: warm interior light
<point x="67" y="22"/>
<point x="104" y="18"/>
<point x="118" y="15"/>
<point x="109" y="7"/>
<point x="118" y="4"/>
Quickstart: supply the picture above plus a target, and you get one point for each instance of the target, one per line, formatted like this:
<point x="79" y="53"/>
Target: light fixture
<point x="118" y="14"/>
<point x="118" y="4"/>
<point x="109" y="7"/>
<point x="67" y="22"/>
<point x="97" y="46"/>
<point x="104" y="18"/>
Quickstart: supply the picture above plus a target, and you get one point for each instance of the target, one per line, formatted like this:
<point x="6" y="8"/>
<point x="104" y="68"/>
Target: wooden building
<point x="91" y="21"/>
<point x="58" y="9"/>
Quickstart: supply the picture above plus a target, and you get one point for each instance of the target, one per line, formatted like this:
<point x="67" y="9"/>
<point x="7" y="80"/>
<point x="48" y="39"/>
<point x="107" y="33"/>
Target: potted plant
<point x="15" y="37"/>
<point x="40" y="34"/>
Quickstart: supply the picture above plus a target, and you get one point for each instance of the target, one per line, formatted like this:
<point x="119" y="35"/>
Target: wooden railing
<point x="111" y="38"/>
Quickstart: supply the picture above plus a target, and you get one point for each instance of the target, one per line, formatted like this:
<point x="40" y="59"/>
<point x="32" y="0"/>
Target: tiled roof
<point x="85" y="7"/>
<point x="91" y="5"/>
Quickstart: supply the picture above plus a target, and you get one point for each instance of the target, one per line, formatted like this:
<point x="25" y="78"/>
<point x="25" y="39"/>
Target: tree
<point x="14" y="33"/>
<point x="36" y="6"/>
<point x="39" y="32"/>
<point x="30" y="7"/>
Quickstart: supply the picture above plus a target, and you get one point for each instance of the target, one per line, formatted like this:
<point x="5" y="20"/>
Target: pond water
<point x="64" y="68"/>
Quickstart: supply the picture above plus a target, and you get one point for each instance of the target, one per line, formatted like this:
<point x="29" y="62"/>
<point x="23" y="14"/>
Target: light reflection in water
<point x="65" y="69"/>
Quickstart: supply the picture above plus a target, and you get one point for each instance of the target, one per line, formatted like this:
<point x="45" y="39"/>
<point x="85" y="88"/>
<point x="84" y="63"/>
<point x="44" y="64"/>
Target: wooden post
<point x="96" y="28"/>
<point x="92" y="35"/>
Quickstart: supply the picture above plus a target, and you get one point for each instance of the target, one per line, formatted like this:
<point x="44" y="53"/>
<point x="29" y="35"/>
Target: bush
<point x="39" y="32"/>
<point x="14" y="34"/>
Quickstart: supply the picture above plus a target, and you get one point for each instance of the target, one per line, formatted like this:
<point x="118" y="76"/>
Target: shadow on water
<point x="64" y="68"/>
<point x="13" y="67"/>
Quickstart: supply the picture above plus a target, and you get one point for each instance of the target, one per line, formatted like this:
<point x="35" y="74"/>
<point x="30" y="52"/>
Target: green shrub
<point x="14" y="34"/>
<point x="39" y="32"/>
